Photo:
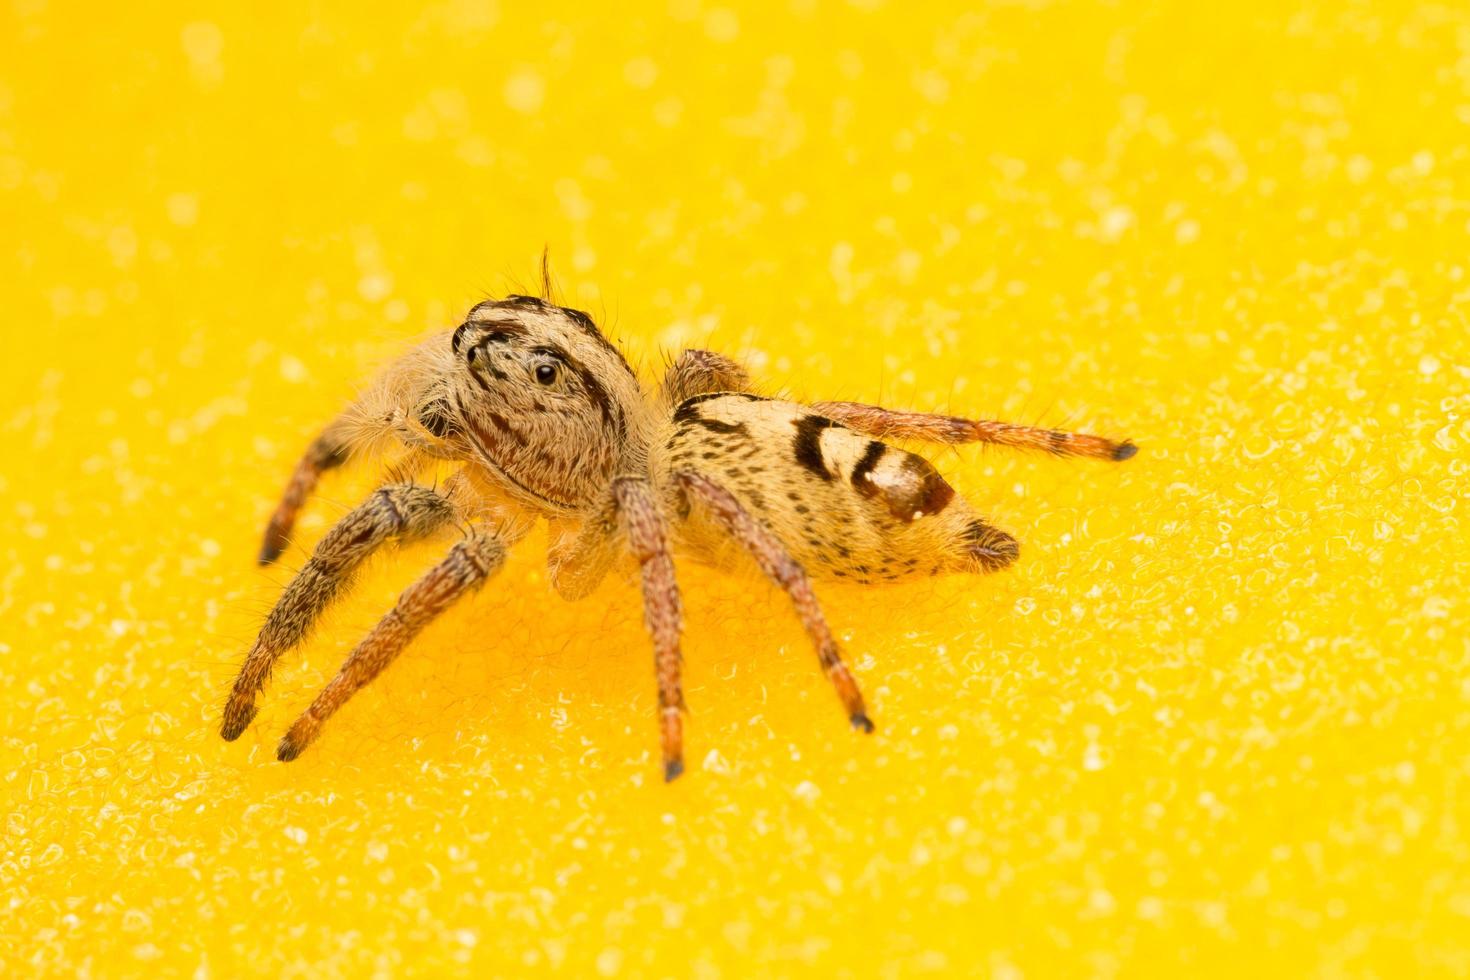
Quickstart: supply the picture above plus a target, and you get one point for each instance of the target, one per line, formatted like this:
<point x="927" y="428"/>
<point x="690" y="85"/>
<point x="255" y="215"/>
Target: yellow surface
<point x="1216" y="718"/>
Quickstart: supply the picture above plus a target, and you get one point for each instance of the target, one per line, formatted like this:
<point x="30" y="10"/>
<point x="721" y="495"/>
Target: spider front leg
<point x="778" y="565"/>
<point x="327" y="451"/>
<point x="467" y="566"/>
<point x="648" y="539"/>
<point x="883" y="423"/>
<point x="578" y="561"/>
<point x="402" y="511"/>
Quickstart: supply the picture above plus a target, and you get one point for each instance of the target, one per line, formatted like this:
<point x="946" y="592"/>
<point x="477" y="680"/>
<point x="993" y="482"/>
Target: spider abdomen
<point x="846" y="506"/>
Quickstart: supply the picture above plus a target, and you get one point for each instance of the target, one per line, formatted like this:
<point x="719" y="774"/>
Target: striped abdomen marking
<point x="689" y="414"/>
<point x="806" y="446"/>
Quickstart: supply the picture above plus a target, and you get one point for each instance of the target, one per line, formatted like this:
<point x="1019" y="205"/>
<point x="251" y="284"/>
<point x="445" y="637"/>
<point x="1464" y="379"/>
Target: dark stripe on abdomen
<point x="807" y="446"/>
<point x="870" y="459"/>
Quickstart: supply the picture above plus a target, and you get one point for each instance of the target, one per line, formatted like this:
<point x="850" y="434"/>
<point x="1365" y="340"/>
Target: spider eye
<point x="545" y="374"/>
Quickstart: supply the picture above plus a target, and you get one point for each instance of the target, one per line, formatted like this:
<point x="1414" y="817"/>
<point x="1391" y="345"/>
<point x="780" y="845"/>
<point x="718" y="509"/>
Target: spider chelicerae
<point x="546" y="420"/>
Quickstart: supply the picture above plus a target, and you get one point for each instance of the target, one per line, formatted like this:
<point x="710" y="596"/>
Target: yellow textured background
<point x="1216" y="718"/>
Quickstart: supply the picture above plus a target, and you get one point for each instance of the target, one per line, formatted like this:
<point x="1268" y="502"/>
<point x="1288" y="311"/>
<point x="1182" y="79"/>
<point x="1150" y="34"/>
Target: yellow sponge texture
<point x="1215" y="721"/>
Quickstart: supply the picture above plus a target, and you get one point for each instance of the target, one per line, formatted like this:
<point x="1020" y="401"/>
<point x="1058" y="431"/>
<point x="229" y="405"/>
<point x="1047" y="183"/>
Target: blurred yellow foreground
<point x="1215" y="721"/>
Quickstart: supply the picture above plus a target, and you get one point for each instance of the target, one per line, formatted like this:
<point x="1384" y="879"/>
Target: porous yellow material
<point x="1216" y="719"/>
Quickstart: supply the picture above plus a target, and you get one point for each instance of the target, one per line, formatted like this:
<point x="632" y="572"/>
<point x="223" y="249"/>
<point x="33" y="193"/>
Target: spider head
<point x="546" y="400"/>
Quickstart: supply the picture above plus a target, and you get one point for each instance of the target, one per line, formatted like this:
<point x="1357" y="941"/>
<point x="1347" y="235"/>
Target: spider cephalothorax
<point x="543" y="401"/>
<point x="547" y="421"/>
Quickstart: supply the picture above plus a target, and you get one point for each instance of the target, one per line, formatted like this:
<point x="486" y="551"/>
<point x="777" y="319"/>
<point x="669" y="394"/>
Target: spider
<point x="546" y="420"/>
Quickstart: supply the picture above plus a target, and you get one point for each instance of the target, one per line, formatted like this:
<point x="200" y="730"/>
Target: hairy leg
<point x="578" y="561"/>
<point x="326" y="452"/>
<point x="466" y="567"/>
<point x="697" y="372"/>
<point x="648" y="539"/>
<point x="883" y="423"/>
<point x="772" y="557"/>
<point x="402" y="511"/>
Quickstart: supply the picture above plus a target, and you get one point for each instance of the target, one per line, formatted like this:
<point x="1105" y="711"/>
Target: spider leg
<point x="883" y="423"/>
<point x="466" y="567"/>
<point x="698" y="372"/>
<point x="778" y="565"/>
<point x="327" y="451"/>
<point x="578" y="561"/>
<point x="403" y="511"/>
<point x="648" y="539"/>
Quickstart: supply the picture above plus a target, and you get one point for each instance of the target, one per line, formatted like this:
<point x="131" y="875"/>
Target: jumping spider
<point x="547" y="420"/>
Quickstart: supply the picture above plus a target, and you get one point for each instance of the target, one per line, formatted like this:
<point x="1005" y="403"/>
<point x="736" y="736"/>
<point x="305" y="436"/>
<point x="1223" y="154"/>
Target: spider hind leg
<point x="887" y="423"/>
<point x="698" y="372"/>
<point x="785" y="571"/>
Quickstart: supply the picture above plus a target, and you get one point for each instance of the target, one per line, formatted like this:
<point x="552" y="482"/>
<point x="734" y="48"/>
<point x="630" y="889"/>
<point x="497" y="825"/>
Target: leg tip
<point x="288" y="749"/>
<point x="861" y="722"/>
<point x="1124" y="450"/>
<point x="236" y="721"/>
<point x="269" y="552"/>
<point x="673" y="769"/>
